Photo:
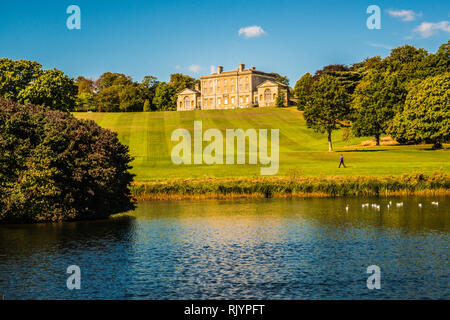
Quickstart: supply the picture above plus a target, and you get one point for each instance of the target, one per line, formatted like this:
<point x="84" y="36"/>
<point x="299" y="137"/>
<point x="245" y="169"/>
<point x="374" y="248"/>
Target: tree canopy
<point x="426" y="115"/>
<point x="54" y="167"/>
<point x="328" y="106"/>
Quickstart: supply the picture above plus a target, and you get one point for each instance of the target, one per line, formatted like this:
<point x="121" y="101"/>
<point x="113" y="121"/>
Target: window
<point x="225" y="89"/>
<point x="246" y="87"/>
<point x="218" y="101"/>
<point x="232" y="100"/>
<point x="218" y="89"/>
<point x="246" y="99"/>
<point x="232" y="88"/>
<point x="240" y="87"/>
<point x="267" y="95"/>
<point x="225" y="82"/>
<point x="241" y="100"/>
<point x="211" y="90"/>
<point x="225" y="100"/>
<point x="256" y="99"/>
<point x="187" y="102"/>
<point x="246" y="79"/>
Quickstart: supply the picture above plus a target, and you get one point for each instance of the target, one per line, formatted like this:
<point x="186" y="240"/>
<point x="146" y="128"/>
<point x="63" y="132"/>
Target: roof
<point x="189" y="91"/>
<point x="271" y="83"/>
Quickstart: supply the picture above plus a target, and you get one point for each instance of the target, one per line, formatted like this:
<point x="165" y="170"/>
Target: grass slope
<point x="302" y="151"/>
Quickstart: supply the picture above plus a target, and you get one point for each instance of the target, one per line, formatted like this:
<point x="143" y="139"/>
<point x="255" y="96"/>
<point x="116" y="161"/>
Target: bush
<point x="54" y="167"/>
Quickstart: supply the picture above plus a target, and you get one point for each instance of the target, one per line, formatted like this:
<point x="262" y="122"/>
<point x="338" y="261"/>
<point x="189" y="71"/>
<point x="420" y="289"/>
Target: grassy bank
<point x="303" y="151"/>
<point x="407" y="184"/>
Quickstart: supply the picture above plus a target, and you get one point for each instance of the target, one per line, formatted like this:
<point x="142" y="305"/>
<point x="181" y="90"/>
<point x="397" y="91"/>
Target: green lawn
<point x="302" y="151"/>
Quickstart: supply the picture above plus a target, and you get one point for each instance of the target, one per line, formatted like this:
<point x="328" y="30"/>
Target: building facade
<point x="240" y="88"/>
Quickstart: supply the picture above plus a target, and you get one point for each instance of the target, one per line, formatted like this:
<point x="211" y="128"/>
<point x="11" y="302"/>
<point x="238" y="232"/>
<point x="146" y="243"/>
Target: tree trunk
<point x="437" y="145"/>
<point x="377" y="139"/>
<point x="330" y="145"/>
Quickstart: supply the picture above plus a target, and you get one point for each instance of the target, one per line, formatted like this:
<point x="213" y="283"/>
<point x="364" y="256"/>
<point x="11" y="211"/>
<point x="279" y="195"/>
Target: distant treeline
<point x="405" y="95"/>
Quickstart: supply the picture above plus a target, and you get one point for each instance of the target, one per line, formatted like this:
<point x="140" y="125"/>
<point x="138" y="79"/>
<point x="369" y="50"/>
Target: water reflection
<point x="243" y="249"/>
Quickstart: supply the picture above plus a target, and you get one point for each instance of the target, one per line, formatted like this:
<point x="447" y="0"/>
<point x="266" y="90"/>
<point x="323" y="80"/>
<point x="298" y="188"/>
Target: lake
<point x="237" y="249"/>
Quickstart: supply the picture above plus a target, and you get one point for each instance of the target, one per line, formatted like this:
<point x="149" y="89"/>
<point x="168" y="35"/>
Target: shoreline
<point x="437" y="183"/>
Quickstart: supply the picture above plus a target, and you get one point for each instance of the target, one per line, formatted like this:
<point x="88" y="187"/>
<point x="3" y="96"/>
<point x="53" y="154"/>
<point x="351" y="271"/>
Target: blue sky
<point x="161" y="37"/>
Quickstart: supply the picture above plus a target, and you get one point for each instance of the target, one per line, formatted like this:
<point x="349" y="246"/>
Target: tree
<point x="148" y="88"/>
<point x="52" y="89"/>
<point x="147" y="107"/>
<point x="108" y="99"/>
<point x="426" y="115"/>
<point x="349" y="78"/>
<point x="86" y="94"/>
<point x="328" y="107"/>
<point x="164" y="97"/>
<point x="131" y="98"/>
<point x="438" y="63"/>
<point x="302" y="90"/>
<point x="54" y="167"/>
<point x="373" y="104"/>
<point x="15" y="76"/>
<point x="328" y="69"/>
<point x="279" y="102"/>
<point x="109" y="79"/>
<point x="280" y="78"/>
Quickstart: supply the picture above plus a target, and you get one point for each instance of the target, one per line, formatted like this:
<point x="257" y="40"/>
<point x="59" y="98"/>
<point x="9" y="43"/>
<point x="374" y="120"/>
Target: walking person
<point x="342" y="162"/>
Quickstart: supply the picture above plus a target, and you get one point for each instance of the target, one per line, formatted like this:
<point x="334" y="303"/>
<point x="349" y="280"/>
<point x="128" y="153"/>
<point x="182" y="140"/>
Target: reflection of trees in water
<point x="34" y="258"/>
<point x="329" y="212"/>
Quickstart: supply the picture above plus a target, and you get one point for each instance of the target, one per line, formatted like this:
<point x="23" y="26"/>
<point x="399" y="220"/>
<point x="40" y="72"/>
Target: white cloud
<point x="427" y="29"/>
<point x="404" y="15"/>
<point x="251" y="31"/>
<point x="212" y="69"/>
<point x="194" y="68"/>
<point x="178" y="67"/>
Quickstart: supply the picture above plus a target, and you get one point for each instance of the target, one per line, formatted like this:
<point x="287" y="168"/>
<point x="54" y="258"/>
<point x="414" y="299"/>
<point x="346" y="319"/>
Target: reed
<point x="417" y="183"/>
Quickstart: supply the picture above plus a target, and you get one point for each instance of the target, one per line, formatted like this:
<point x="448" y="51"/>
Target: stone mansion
<point x="240" y="88"/>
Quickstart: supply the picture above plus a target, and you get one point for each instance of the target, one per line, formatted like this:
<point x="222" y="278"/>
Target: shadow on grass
<point x="357" y="150"/>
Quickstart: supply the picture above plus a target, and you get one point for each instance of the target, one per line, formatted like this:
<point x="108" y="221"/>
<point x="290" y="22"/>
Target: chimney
<point x="241" y="67"/>
<point x="219" y="69"/>
<point x="252" y="68"/>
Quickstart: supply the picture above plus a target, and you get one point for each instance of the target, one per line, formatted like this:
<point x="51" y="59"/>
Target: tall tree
<point x="109" y="79"/>
<point x="164" y="97"/>
<point x="426" y="116"/>
<point x="108" y="99"/>
<point x="148" y="88"/>
<point x="52" y="89"/>
<point x="279" y="102"/>
<point x="373" y="104"/>
<point x="131" y="98"/>
<point x="15" y="76"/>
<point x="328" y="106"/>
<point x="302" y="90"/>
